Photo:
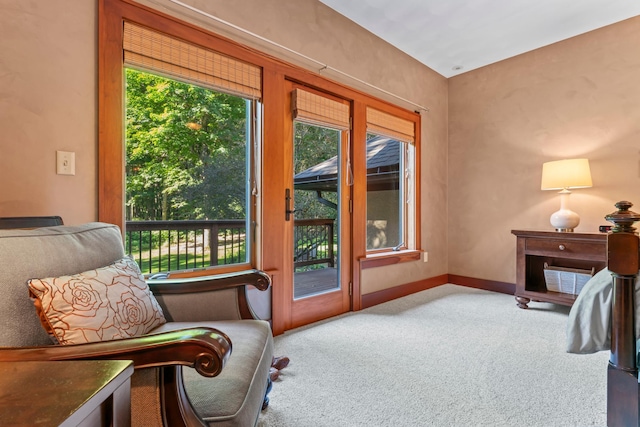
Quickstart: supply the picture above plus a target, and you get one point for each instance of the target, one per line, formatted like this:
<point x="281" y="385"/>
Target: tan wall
<point x="48" y="96"/>
<point x="576" y="98"/>
<point x="48" y="103"/>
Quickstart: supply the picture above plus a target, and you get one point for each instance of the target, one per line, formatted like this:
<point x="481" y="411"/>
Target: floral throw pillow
<point x="108" y="303"/>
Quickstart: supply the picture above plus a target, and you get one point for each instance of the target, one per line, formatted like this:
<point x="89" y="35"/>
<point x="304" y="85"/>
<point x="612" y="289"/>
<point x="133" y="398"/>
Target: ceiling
<point x="454" y="36"/>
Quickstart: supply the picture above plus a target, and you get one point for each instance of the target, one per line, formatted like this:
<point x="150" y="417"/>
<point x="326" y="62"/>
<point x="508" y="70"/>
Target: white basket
<point x="566" y="280"/>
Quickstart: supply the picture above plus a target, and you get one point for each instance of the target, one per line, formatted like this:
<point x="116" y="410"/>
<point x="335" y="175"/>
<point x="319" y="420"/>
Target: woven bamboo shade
<point x="382" y="123"/>
<point x="318" y="110"/>
<point x="154" y="51"/>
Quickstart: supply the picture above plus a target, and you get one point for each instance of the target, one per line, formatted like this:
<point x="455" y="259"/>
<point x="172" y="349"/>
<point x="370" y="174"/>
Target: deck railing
<point x="314" y="242"/>
<point x="160" y="246"/>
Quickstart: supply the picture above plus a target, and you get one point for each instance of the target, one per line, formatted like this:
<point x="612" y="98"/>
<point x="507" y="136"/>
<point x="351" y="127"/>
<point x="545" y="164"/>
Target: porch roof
<point x="382" y="168"/>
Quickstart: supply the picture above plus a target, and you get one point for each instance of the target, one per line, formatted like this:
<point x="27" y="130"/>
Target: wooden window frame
<point x="111" y="197"/>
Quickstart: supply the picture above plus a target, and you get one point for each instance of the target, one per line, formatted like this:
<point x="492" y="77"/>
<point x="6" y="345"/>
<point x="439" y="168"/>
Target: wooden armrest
<point x="204" y="349"/>
<point x="257" y="278"/>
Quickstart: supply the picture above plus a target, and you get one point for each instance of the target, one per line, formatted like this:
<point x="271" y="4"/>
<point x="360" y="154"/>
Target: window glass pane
<point x="317" y="205"/>
<point x="187" y="174"/>
<point x="389" y="193"/>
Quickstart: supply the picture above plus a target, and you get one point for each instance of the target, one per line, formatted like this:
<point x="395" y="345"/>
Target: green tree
<point x="186" y="150"/>
<point x="313" y="145"/>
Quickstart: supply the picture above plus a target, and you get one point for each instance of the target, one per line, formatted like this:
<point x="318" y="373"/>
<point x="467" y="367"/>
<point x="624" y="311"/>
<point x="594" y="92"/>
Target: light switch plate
<point x="65" y="163"/>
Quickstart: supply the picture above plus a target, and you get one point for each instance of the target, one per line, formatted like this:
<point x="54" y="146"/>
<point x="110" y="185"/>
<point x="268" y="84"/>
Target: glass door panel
<point x="317" y="222"/>
<point x="316" y="237"/>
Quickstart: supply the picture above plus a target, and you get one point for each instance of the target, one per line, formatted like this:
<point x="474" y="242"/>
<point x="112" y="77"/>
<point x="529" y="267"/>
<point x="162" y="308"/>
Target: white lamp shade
<point x="565" y="174"/>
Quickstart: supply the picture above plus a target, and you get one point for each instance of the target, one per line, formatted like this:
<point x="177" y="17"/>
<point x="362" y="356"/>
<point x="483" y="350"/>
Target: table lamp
<point x="564" y="175"/>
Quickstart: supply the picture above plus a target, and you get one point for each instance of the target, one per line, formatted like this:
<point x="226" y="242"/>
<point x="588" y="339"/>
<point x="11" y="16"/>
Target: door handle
<point x="287" y="205"/>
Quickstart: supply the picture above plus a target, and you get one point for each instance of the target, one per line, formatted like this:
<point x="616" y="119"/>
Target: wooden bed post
<point x="623" y="260"/>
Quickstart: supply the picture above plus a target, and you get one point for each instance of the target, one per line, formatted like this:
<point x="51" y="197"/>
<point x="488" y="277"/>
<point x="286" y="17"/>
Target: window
<point x="390" y="182"/>
<point x="189" y="167"/>
<point x="155" y="54"/>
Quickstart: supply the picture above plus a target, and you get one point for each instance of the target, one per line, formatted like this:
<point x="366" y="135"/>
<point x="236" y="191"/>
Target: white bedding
<point x="589" y="323"/>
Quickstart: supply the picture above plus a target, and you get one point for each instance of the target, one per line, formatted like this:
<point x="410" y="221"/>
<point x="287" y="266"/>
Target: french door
<point x="317" y="269"/>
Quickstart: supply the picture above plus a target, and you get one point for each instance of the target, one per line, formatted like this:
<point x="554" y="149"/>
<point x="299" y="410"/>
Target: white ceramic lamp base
<point x="564" y="220"/>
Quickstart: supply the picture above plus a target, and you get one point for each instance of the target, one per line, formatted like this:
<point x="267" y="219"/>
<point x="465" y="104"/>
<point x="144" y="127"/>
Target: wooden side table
<point x="570" y="250"/>
<point x="74" y="393"/>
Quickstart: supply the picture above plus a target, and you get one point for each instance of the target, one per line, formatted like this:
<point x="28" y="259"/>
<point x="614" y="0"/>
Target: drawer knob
<point x="562" y="247"/>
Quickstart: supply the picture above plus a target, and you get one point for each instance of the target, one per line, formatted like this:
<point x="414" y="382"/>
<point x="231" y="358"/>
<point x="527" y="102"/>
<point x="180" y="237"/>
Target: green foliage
<point x="186" y="150"/>
<point x="187" y="158"/>
<point x="313" y="145"/>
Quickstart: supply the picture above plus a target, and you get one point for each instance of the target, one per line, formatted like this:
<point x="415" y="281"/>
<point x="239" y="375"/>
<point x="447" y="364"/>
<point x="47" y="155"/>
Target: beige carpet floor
<point x="448" y="356"/>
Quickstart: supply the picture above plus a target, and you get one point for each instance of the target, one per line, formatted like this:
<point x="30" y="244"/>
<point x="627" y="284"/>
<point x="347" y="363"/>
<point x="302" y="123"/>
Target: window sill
<point x="389" y="258"/>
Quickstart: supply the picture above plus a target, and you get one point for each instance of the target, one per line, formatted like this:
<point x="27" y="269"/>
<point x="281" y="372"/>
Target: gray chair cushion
<point x="230" y="398"/>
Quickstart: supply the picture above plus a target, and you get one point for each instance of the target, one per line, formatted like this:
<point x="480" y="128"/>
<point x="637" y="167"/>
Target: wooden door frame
<point x="305" y="311"/>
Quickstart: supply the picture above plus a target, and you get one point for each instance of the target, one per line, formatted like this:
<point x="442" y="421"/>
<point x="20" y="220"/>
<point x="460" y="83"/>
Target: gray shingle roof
<point x="382" y="167"/>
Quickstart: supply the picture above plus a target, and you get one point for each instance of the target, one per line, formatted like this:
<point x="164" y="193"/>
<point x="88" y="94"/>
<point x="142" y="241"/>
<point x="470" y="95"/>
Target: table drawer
<point x="567" y="248"/>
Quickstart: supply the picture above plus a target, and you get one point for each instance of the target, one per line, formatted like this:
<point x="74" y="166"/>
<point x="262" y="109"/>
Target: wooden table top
<point x="50" y="393"/>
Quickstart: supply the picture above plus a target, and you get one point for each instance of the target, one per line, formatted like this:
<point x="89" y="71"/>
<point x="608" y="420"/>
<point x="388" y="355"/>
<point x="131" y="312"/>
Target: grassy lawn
<point x="163" y="260"/>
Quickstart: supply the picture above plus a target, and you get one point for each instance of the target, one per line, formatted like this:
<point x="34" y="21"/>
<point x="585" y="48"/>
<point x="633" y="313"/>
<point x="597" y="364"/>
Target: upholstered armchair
<point x="204" y="360"/>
